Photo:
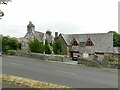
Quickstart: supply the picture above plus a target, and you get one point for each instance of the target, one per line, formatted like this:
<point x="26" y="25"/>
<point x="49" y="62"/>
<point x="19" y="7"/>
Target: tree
<point x="1" y="13"/>
<point x="3" y="2"/>
<point x="56" y="47"/>
<point x="36" y="46"/>
<point x="116" y="38"/>
<point x="47" y="48"/>
<point x="10" y="44"/>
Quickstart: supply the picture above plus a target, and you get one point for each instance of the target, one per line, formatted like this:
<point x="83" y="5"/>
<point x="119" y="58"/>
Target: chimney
<point x="56" y="34"/>
<point x="30" y="27"/>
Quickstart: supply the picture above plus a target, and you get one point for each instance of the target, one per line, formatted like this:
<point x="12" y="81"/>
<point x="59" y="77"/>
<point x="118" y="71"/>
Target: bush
<point x="47" y="48"/>
<point x="112" y="59"/>
<point x="10" y="44"/>
<point x="36" y="46"/>
<point x="56" y="47"/>
<point x="11" y="52"/>
<point x="64" y="52"/>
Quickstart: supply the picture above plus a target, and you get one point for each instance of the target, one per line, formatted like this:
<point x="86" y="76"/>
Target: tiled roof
<point x="103" y="41"/>
<point x="39" y="35"/>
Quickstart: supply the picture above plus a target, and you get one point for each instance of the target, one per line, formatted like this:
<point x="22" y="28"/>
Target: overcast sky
<point x="63" y="16"/>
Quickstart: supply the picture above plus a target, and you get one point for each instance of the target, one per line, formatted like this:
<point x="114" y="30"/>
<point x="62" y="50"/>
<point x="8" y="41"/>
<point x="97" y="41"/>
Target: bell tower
<point x="30" y="27"/>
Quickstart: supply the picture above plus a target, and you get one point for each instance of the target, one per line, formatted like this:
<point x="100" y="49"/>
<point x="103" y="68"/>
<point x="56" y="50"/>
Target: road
<point x="75" y="76"/>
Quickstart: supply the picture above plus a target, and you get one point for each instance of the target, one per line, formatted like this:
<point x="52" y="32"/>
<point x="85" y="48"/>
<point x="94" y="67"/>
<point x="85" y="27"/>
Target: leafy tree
<point x="1" y="13"/>
<point x="3" y="2"/>
<point x="116" y="38"/>
<point x="36" y="46"/>
<point x="56" y="47"/>
<point x="47" y="48"/>
<point x="64" y="52"/>
<point x="10" y="44"/>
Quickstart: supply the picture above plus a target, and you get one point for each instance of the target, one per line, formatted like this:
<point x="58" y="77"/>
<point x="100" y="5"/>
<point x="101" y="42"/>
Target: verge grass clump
<point x="113" y="59"/>
<point x="29" y="83"/>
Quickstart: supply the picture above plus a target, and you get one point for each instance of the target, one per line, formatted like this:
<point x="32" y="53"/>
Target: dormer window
<point x="89" y="42"/>
<point x="74" y="42"/>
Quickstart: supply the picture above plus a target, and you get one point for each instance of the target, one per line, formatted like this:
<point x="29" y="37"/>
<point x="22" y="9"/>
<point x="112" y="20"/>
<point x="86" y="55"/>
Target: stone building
<point x="87" y="43"/>
<point x="31" y="34"/>
<point x="94" y="43"/>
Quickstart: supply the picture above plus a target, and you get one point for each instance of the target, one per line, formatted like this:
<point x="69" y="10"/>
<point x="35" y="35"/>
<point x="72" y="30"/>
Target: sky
<point x="63" y="16"/>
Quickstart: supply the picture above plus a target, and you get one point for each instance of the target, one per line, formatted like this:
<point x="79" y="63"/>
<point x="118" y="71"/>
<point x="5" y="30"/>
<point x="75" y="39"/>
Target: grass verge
<point x="29" y="83"/>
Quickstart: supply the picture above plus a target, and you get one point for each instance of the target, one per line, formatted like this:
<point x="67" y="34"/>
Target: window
<point x="82" y="44"/>
<point x="74" y="42"/>
<point x="89" y="42"/>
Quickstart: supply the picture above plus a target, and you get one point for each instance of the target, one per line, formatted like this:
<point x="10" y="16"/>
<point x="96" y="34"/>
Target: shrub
<point x="56" y="47"/>
<point x="36" y="46"/>
<point x="64" y="52"/>
<point x="9" y="43"/>
<point x="113" y="59"/>
<point x="47" y="48"/>
<point x="11" y="52"/>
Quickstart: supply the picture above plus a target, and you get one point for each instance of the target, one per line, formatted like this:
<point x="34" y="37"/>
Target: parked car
<point x="75" y="56"/>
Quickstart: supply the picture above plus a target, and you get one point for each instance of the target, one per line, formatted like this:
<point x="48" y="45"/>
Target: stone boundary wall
<point x="98" y="61"/>
<point x="59" y="58"/>
<point x="39" y="56"/>
<point x="92" y="60"/>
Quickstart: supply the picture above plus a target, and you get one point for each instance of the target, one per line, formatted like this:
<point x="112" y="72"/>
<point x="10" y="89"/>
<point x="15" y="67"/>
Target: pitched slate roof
<point x="103" y="41"/>
<point x="39" y="35"/>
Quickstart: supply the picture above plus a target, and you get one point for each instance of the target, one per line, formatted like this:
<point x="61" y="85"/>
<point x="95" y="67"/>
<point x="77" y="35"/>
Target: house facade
<point x="87" y="43"/>
<point x="94" y="43"/>
<point x="31" y="34"/>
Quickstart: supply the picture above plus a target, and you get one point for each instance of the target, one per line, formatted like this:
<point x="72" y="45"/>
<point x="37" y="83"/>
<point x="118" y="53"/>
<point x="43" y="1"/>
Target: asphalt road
<point x="75" y="76"/>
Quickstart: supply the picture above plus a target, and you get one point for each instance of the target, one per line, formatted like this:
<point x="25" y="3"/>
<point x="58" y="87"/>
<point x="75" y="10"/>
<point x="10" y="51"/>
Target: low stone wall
<point x="88" y="62"/>
<point x="39" y="56"/>
<point x="92" y="60"/>
<point x="98" y="61"/>
<point x="46" y="57"/>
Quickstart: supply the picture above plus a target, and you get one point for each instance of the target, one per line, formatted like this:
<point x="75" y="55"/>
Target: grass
<point x="29" y="83"/>
<point x="113" y="59"/>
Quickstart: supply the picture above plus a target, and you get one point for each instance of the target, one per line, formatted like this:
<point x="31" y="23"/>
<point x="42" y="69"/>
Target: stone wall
<point x="39" y="56"/>
<point x="46" y="57"/>
<point x="98" y="61"/>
